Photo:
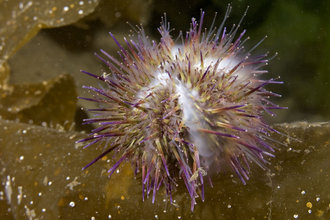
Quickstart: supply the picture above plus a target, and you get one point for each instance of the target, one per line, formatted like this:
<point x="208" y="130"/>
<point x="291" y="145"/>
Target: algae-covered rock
<point x="42" y="179"/>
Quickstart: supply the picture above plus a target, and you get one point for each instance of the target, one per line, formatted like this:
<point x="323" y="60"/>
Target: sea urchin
<point x="183" y="110"/>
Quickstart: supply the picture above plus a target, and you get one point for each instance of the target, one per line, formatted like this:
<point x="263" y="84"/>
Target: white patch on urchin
<point x="225" y="65"/>
<point x="191" y="119"/>
<point x="160" y="80"/>
<point x="187" y="97"/>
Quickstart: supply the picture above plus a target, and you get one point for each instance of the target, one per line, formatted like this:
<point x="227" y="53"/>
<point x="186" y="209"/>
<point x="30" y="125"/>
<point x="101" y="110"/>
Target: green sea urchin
<point x="183" y="110"/>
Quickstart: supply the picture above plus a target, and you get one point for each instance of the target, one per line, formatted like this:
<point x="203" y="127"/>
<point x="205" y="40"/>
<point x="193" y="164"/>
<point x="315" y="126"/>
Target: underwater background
<point x="43" y="47"/>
